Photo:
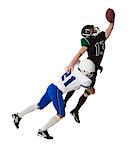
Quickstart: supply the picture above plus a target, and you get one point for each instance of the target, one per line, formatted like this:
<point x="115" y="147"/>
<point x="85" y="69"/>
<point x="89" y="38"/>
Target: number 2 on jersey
<point x="72" y="78"/>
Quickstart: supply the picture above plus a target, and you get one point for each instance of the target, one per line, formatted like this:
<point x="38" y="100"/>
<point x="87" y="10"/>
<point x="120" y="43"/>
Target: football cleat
<point x="75" y="114"/>
<point x="44" y="134"/>
<point x="16" y="120"/>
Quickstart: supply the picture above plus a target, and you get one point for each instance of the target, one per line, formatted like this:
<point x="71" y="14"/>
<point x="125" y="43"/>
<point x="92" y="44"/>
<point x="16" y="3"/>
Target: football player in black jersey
<point x="93" y="42"/>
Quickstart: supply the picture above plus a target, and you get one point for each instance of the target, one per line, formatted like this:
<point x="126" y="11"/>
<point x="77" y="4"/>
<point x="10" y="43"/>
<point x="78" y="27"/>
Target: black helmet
<point x="89" y="31"/>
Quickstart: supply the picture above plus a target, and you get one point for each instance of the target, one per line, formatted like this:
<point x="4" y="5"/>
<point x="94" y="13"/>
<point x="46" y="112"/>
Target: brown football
<point x="110" y="15"/>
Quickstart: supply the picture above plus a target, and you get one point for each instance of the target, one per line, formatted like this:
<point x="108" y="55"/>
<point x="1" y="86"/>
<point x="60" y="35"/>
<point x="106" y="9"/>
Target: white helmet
<point x="87" y="67"/>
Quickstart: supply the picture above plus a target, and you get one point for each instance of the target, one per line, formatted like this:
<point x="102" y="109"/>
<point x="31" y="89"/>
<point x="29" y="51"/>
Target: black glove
<point x="100" y="68"/>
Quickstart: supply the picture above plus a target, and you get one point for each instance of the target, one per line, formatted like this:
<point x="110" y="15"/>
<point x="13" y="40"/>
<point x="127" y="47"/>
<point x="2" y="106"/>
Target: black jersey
<point x="96" y="47"/>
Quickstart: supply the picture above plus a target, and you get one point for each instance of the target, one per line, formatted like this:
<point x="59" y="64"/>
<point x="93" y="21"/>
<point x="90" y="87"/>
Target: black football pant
<point x="81" y="101"/>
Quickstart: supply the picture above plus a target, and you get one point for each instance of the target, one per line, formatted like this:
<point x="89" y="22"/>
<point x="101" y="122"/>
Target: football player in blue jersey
<point x="73" y="80"/>
<point x="93" y="42"/>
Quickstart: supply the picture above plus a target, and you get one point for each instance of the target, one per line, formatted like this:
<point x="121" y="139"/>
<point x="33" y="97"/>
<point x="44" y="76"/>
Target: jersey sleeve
<point x="85" y="42"/>
<point x="102" y="35"/>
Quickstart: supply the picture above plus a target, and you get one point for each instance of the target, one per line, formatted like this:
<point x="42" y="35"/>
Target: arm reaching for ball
<point x="110" y="16"/>
<point x="109" y="30"/>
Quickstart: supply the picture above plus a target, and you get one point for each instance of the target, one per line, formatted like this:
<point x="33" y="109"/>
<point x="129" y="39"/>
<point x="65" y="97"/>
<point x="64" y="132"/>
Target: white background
<point x="38" y="39"/>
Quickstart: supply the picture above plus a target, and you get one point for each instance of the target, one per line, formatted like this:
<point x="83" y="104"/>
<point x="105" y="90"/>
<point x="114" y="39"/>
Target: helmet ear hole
<point x="87" y="67"/>
<point x="87" y="30"/>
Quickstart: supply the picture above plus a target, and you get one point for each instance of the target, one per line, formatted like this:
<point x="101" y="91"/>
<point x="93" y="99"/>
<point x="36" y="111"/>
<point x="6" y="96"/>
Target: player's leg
<point x="43" y="132"/>
<point x="18" y="116"/>
<point x="68" y="95"/>
<point x="56" y="96"/>
<point x="83" y="98"/>
<point x="28" y="110"/>
<point x="45" y="100"/>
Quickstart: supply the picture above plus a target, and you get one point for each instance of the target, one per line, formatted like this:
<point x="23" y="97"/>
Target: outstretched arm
<point x="76" y="59"/>
<point x="110" y="16"/>
<point x="109" y="30"/>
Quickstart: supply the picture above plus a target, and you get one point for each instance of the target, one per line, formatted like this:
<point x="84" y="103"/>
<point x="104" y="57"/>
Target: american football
<point x="110" y="15"/>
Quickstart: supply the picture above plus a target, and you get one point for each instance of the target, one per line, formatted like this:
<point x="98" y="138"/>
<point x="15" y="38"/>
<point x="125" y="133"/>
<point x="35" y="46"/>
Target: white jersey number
<point x="100" y="48"/>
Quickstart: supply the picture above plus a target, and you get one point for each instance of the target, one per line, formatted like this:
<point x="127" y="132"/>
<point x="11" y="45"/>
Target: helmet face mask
<point x="96" y="31"/>
<point x="87" y="67"/>
<point x="89" y="75"/>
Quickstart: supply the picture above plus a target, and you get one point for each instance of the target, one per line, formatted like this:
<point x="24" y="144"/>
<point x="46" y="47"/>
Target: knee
<point x="36" y="106"/>
<point x="89" y="91"/>
<point x="61" y="115"/>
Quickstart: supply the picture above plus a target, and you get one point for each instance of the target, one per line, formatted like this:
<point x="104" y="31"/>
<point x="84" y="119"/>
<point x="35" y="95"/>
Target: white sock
<point x="51" y="122"/>
<point x="28" y="110"/>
